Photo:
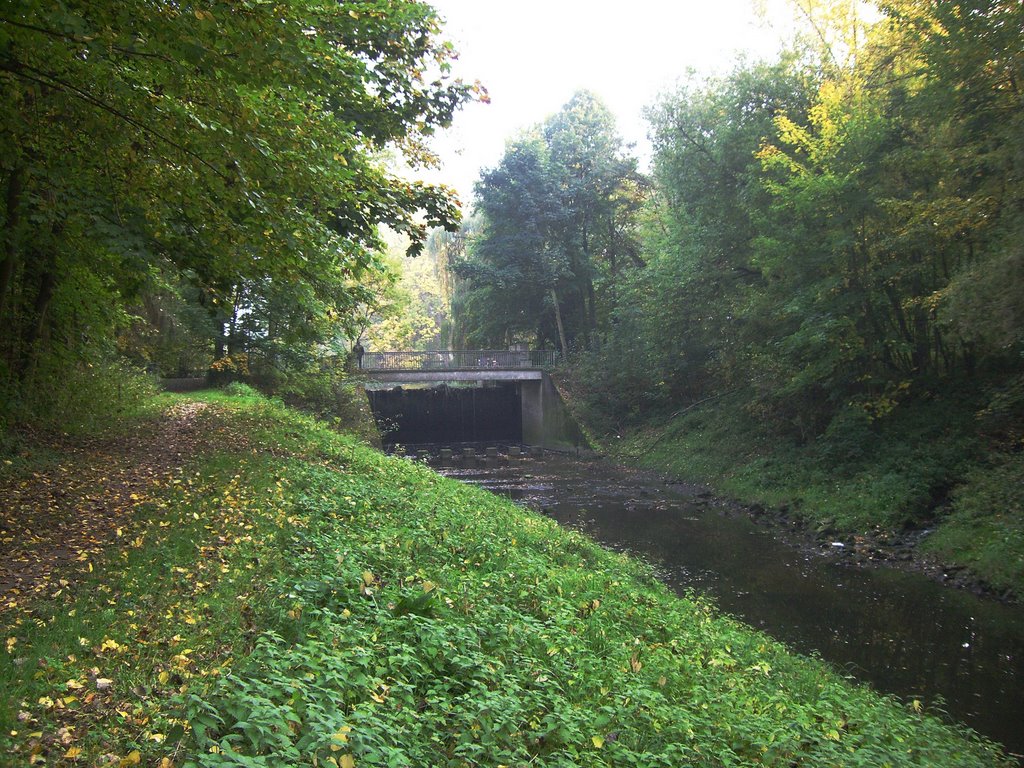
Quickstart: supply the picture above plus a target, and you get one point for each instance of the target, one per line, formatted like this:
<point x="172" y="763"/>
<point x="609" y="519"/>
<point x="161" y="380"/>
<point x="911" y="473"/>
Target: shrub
<point x="78" y="397"/>
<point x="985" y="528"/>
<point x="240" y="389"/>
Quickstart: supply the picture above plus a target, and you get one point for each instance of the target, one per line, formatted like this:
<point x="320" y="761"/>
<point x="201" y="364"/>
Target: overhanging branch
<point x="51" y="80"/>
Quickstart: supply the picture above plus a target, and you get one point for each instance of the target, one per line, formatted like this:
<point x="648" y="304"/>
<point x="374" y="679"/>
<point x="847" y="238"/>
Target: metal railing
<point x="465" y="359"/>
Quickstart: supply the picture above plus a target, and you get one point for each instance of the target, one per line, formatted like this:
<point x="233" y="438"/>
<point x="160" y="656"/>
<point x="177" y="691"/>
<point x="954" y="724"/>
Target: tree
<point x="556" y="229"/>
<point x="840" y="230"/>
<point x="513" y="266"/>
<point x="702" y="274"/>
<point x="595" y="183"/>
<point x="239" y="146"/>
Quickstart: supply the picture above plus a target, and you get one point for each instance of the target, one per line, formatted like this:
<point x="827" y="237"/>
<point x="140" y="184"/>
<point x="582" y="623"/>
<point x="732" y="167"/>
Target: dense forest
<point x="821" y="279"/>
<point x="812" y="297"/>
<point x="841" y="226"/>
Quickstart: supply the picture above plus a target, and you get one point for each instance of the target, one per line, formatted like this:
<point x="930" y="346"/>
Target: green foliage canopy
<point x="236" y="147"/>
<point x="838" y="230"/>
<point x="556" y="219"/>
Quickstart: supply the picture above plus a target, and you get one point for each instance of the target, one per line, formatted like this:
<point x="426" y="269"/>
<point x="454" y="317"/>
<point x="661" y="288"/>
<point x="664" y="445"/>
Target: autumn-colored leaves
<point x="55" y="521"/>
<point x="73" y="671"/>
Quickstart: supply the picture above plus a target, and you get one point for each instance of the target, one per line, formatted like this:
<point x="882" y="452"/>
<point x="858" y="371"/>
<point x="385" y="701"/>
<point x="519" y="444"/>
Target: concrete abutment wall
<point x="546" y="420"/>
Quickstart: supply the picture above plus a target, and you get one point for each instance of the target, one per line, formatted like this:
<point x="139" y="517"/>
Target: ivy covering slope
<point x="294" y="597"/>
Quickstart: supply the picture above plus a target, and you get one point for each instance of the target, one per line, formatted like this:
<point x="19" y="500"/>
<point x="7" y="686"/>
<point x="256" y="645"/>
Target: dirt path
<point x="54" y="522"/>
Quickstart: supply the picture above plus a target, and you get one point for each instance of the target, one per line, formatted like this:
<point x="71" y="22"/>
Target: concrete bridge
<point x="457" y="365"/>
<point x="531" y="409"/>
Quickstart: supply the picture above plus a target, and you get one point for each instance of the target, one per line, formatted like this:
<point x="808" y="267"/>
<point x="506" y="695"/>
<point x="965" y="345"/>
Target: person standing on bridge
<point x="358" y="351"/>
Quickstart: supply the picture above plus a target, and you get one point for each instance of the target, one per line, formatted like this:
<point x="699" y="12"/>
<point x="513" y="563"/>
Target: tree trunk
<point x="591" y="305"/>
<point x="15" y="183"/>
<point x="220" y="341"/>
<point x="44" y="296"/>
<point x="233" y="340"/>
<point x="558" y="321"/>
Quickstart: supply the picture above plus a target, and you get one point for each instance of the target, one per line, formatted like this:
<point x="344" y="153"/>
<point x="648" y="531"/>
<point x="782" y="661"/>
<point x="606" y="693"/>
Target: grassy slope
<point x="297" y="598"/>
<point x="921" y="468"/>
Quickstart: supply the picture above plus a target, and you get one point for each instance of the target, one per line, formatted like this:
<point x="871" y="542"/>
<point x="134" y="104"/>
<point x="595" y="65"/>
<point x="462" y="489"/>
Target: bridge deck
<point x="458" y="361"/>
<point x="450" y="374"/>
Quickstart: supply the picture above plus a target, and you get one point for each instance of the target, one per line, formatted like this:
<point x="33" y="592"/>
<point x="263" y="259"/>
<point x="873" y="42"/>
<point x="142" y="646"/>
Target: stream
<point x="898" y="631"/>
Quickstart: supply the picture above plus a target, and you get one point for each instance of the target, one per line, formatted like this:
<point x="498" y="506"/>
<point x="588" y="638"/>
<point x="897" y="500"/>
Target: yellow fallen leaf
<point x="132" y="758"/>
<point x="163" y="677"/>
<point x="73" y="753"/>
<point x="598" y="741"/>
<point x="73" y="685"/>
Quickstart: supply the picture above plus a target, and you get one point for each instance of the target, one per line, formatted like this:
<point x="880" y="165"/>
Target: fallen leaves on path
<point x="54" y="523"/>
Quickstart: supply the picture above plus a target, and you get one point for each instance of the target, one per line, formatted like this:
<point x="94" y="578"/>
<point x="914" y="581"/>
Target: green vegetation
<point x="551" y="233"/>
<point x="201" y="187"/>
<point x="823" y="267"/>
<point x="289" y="596"/>
<point x="924" y="467"/>
<point x="984" y="528"/>
<point x="813" y="301"/>
<point x="822" y="276"/>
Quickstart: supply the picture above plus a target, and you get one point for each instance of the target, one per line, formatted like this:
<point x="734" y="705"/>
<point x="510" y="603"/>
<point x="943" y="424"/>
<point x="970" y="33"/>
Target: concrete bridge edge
<point x="546" y="419"/>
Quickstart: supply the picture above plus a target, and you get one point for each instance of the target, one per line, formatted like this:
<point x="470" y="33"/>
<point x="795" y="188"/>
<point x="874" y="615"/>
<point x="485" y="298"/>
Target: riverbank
<point x="285" y="595"/>
<point x="920" y="492"/>
<point x="873" y="548"/>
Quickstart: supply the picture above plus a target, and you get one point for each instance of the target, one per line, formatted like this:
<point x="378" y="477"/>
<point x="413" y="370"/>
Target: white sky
<point x="532" y="55"/>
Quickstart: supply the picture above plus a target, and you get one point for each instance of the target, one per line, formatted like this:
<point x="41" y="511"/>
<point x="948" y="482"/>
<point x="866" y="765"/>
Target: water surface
<point x="899" y="631"/>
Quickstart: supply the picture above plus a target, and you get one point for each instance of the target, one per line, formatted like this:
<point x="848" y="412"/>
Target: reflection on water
<point x="899" y="631"/>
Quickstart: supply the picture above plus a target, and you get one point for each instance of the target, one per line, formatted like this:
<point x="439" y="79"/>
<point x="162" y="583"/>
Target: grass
<point x="985" y="528"/>
<point x="296" y="598"/>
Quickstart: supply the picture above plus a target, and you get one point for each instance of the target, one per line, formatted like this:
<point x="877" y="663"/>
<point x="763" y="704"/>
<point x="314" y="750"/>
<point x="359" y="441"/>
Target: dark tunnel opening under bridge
<point x="448" y="414"/>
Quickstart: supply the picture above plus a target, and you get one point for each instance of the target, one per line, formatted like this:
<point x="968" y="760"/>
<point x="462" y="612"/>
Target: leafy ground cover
<point x="985" y="529"/>
<point x="924" y="469"/>
<point x="289" y="596"/>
